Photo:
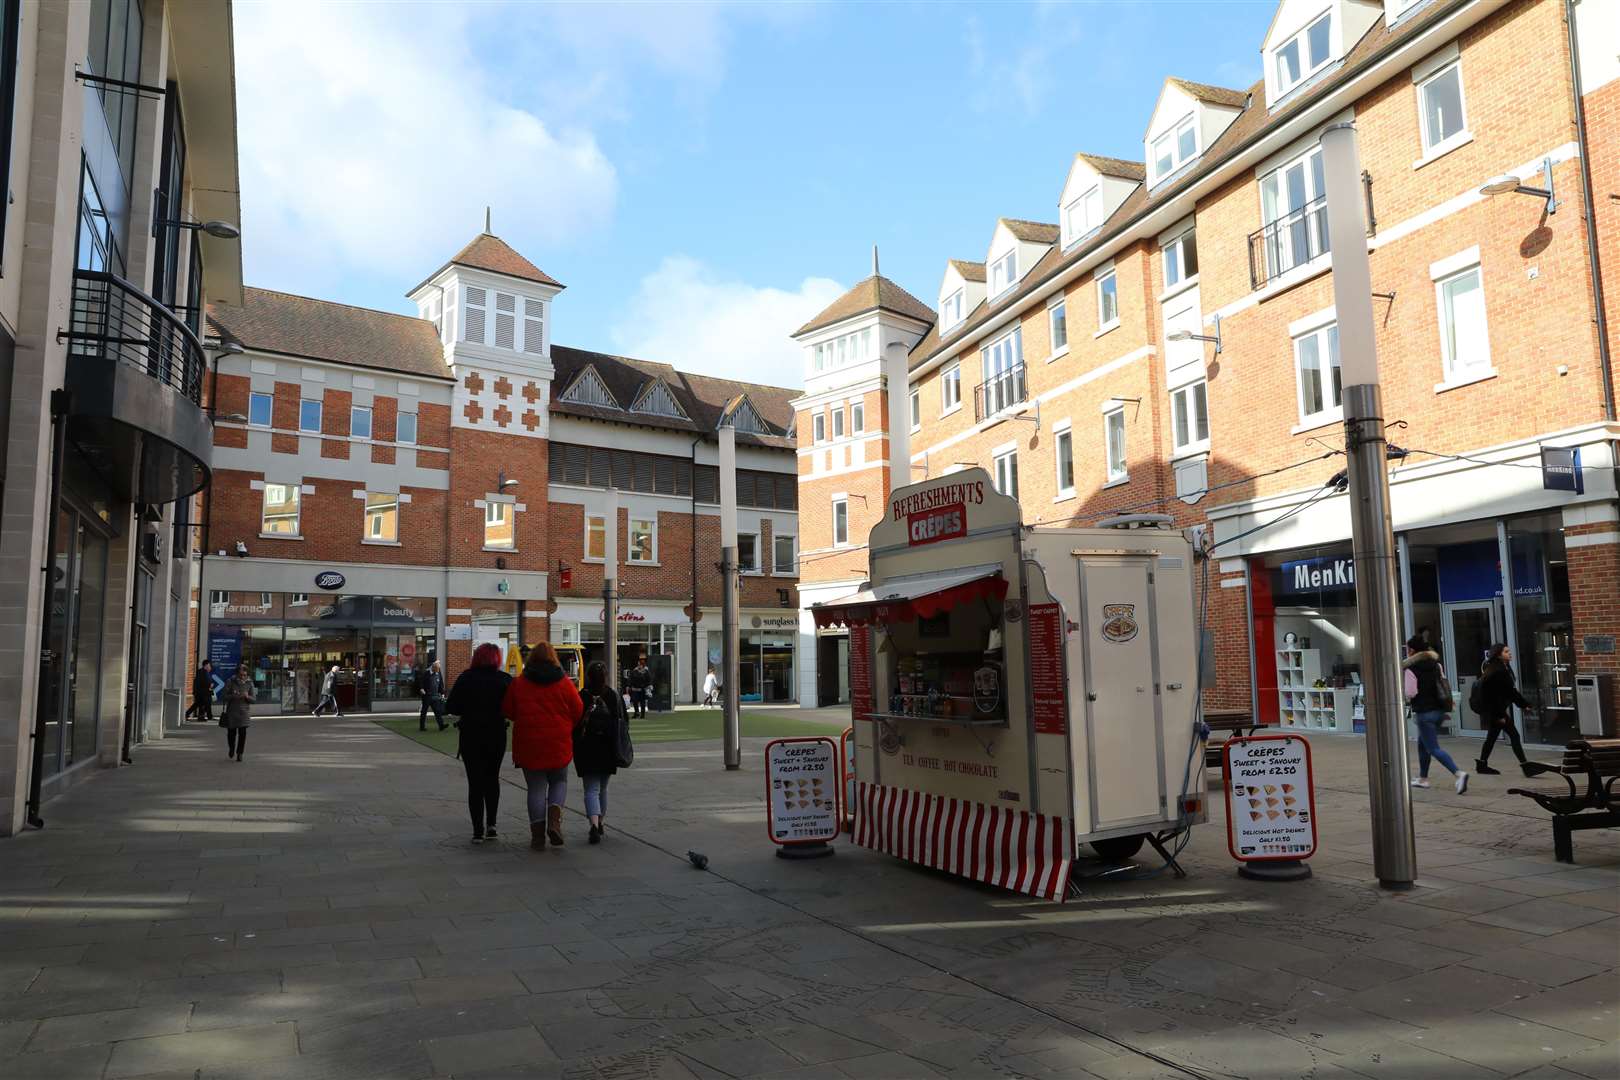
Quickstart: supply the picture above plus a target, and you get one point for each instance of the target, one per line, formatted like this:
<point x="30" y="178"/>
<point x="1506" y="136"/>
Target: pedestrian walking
<point x="597" y="738"/>
<point x="328" y="693"/>
<point x="430" y="685"/>
<point x="239" y="697"/>
<point x="544" y="707"/>
<point x="475" y="702"/>
<point x="202" y="693"/>
<point x="640" y="686"/>
<point x="711" y="687"/>
<point x="1497" y="692"/>
<point x="1430" y="697"/>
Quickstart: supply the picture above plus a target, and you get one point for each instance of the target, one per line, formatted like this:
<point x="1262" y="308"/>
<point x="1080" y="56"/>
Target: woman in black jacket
<point x="596" y="743"/>
<point x="1499" y="692"/>
<point x="476" y="701"/>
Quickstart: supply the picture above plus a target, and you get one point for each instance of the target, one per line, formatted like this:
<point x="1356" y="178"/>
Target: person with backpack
<point x="431" y="687"/>
<point x="640" y="681"/>
<point x="475" y="701"/>
<point x="1492" y="697"/>
<point x="329" y="693"/>
<point x="1429" y="695"/>
<point x="544" y="708"/>
<point x="601" y="732"/>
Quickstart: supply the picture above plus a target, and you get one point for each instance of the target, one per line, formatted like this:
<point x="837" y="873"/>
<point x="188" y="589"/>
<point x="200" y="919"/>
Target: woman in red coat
<point x="544" y="707"/>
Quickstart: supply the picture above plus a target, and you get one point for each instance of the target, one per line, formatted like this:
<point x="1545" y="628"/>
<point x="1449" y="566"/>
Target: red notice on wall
<point x="1046" y="669"/>
<point x="860" y="672"/>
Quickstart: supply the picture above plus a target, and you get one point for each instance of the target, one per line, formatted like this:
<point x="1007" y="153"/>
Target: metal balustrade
<point x="114" y="320"/>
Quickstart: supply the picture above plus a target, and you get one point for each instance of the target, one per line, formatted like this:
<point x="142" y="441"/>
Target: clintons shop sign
<point x="937" y="513"/>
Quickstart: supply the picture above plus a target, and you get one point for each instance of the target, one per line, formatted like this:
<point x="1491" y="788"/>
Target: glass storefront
<point x="1307" y="659"/>
<point x="78" y="612"/>
<point x="764" y="664"/>
<point x="290" y="640"/>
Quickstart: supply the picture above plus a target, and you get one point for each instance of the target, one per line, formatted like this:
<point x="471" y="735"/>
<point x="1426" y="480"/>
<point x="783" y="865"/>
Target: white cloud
<point x="1019" y="74"/>
<point x="373" y="137"/>
<point x="685" y="314"/>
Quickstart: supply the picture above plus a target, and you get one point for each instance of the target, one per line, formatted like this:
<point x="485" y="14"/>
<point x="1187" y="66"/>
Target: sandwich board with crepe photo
<point x="1270" y="805"/>
<point x="802" y="797"/>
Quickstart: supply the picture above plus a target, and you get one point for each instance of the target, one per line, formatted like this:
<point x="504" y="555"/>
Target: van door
<point x="1124" y="721"/>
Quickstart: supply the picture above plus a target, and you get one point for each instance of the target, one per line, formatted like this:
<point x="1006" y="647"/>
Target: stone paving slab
<point x="318" y="913"/>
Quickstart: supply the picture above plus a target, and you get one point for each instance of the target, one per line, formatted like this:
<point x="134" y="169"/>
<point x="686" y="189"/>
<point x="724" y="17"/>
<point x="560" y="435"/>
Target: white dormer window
<point x="1003" y="272"/>
<point x="1304" y="54"/>
<point x="1083" y="215"/>
<point x="950" y="310"/>
<point x="1175" y="147"/>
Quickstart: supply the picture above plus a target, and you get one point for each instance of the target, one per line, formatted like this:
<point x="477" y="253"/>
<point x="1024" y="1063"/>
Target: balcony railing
<point x="114" y="320"/>
<point x="1292" y="240"/>
<point x="1000" y="391"/>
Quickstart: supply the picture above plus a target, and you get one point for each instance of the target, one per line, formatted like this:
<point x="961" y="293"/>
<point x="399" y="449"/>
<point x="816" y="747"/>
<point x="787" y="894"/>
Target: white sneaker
<point x="1462" y="782"/>
<point x="1420" y="782"/>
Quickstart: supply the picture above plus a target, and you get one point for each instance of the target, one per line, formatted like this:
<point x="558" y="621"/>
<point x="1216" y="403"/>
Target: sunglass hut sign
<point x="937" y="513"/>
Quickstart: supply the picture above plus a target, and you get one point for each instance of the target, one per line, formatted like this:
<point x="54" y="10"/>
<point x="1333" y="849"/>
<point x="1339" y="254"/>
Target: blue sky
<point x="703" y="177"/>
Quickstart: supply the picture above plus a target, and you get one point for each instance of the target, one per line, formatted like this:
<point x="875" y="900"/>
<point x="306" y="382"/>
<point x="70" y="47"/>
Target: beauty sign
<point x="1270" y="800"/>
<point x="802" y="779"/>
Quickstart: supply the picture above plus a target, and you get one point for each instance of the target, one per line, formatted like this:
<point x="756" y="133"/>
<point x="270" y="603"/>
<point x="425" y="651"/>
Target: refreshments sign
<point x="946" y="508"/>
<point x="1270" y="800"/>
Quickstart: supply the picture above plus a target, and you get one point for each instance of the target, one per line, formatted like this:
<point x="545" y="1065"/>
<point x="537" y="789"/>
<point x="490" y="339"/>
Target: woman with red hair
<point x="543" y="706"/>
<point x="476" y="701"/>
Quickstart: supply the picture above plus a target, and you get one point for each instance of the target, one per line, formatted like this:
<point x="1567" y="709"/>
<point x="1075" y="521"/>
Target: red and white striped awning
<point x="916" y="596"/>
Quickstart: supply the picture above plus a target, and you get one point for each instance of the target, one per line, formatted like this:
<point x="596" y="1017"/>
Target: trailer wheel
<point x="1118" y="847"/>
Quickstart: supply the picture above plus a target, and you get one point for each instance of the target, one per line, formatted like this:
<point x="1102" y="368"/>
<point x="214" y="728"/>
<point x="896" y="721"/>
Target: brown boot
<point x="554" y="825"/>
<point x="537" y="836"/>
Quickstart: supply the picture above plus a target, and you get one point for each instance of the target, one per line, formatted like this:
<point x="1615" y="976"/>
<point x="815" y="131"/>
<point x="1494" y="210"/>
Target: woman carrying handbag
<point x="601" y="744"/>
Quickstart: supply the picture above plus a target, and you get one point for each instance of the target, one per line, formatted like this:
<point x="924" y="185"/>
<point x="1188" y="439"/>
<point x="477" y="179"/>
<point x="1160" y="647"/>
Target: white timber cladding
<point x="1307" y="39"/>
<point x="1088" y="199"/>
<point x="1297" y="124"/>
<point x="1001" y="274"/>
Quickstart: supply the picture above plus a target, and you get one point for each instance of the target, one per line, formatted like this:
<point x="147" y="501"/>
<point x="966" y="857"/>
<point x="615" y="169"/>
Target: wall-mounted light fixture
<point x="502" y="483"/>
<point x="1511" y="185"/>
<point x="1188" y="335"/>
<point x="224" y="230"/>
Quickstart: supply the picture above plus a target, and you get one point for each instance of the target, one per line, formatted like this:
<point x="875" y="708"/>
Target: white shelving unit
<point x="1304" y="706"/>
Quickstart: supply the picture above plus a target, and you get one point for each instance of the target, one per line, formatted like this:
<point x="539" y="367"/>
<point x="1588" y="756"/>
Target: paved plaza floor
<point x="318" y="912"/>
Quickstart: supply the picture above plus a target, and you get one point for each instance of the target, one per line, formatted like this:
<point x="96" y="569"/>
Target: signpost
<point x="1270" y="805"/>
<point x="802" y="797"/>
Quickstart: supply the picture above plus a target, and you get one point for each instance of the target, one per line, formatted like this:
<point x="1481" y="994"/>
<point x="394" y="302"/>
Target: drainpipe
<point x="1592" y="259"/>
<point x="694" y="571"/>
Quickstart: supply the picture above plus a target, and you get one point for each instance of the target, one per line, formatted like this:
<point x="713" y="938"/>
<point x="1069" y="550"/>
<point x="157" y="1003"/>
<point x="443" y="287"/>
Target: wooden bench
<point x="1596" y="806"/>
<point x="1231" y="721"/>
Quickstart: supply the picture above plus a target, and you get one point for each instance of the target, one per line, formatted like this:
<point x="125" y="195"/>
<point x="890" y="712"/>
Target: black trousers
<point x="481" y="755"/>
<point x="235" y="739"/>
<point x="1503" y="725"/>
<point x="437" y="705"/>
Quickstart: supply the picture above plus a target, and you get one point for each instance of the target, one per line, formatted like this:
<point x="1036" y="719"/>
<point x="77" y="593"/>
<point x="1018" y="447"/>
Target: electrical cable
<point x="1222" y="485"/>
<point x="1334" y="486"/>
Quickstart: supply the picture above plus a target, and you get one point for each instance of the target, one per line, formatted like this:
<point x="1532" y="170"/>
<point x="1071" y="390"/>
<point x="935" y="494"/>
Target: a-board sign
<point x="1270" y="800"/>
<point x="1046" y="669"/>
<point x="802" y="796"/>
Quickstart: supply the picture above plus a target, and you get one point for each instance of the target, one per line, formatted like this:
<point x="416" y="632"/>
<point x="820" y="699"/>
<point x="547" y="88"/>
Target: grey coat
<point x="239" y="694"/>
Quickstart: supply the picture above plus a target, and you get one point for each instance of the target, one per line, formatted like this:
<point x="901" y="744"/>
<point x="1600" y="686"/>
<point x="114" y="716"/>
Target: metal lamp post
<point x="610" y="585"/>
<point x="1394" y="853"/>
<point x="731" y="721"/>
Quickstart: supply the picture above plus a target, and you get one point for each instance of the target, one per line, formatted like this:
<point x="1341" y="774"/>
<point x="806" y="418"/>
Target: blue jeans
<point x="547" y="787"/>
<point x="596" y="785"/>
<point x="1428" y="725"/>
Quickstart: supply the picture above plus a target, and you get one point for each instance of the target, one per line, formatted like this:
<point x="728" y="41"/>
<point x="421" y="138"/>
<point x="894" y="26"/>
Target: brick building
<point x="1169" y="346"/>
<point x="389" y="488"/>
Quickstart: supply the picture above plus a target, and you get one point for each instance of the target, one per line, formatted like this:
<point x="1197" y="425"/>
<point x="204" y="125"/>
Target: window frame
<point x="509" y="515"/>
<point x="1456" y="138"/>
<point x="838" y="423"/>
<point x="1007" y="265"/>
<point x="1063" y="455"/>
<point x="1325" y="335"/>
<point x="950" y="388"/>
<point x="1106" y="324"/>
<point x="399" y="436"/>
<point x="857" y="418"/>
<point x="1178" y="244"/>
<point x="596" y="523"/>
<point x="366" y="530"/>
<point x="630" y="541"/>
<point x="1172" y="136"/>
<point x="1111" y="475"/>
<point x="1091" y="202"/>
<point x="743" y="567"/>
<point x="1004" y="466"/>
<point x="304" y="404"/>
<point x="1451" y="372"/>
<point x="1302" y="37"/>
<point x="354" y="412"/>
<point x="818" y="428"/>
<point x="792" y="568"/>
<point x="266" y="528"/>
<point x="950" y="308"/>
<point x="1192" y="445"/>
<point x="269" y="409"/>
<point x="1057" y="318"/>
<point x="1287" y="229"/>
<point x="915" y="402"/>
<point x="840" y="521"/>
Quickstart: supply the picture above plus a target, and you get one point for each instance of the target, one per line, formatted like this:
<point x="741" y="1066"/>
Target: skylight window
<point x="1304" y="54"/>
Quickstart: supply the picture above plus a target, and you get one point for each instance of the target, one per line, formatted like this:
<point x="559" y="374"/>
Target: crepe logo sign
<point x="940" y="523"/>
<point x="1119" y="623"/>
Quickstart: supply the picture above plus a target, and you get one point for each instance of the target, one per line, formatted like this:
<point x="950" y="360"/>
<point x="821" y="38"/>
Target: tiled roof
<point x="1108" y="166"/>
<point x="321" y="330"/>
<point x="490" y="253"/>
<point x="970" y="271"/>
<point x="1034" y="232"/>
<point x="876" y="293"/>
<point x="703" y="398"/>
<point x="1215" y="95"/>
<point x="1252" y="122"/>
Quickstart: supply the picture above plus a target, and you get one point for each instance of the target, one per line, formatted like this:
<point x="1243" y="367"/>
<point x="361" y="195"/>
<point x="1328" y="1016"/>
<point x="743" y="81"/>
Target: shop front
<point x="650" y="629"/>
<point x="767" y="652"/>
